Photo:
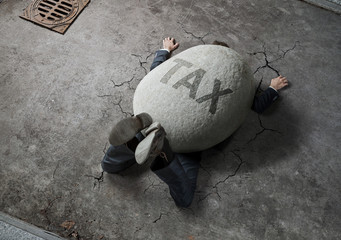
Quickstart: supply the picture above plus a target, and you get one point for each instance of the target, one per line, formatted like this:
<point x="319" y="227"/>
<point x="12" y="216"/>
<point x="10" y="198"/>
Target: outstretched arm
<point x="262" y="102"/>
<point x="162" y="55"/>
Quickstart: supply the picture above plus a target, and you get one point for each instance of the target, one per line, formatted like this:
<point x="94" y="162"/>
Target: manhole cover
<point x="56" y="15"/>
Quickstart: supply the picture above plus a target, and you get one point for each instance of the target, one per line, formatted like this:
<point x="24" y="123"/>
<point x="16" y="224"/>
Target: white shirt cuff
<point x="165" y="49"/>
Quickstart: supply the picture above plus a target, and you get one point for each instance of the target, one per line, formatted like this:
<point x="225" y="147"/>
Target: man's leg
<point x="179" y="173"/>
<point x="121" y="153"/>
<point x="118" y="158"/>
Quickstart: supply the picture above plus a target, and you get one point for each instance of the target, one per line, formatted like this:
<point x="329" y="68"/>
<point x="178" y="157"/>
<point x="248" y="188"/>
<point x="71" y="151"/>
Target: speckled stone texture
<point x="200" y="96"/>
<point x="8" y="232"/>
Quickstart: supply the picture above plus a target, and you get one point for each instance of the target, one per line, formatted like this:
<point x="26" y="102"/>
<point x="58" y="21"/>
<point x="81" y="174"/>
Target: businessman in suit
<point x="178" y="171"/>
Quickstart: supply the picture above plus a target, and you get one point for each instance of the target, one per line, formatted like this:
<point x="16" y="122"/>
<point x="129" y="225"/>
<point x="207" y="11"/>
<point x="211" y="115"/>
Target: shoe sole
<point x="144" y="151"/>
<point x="127" y="128"/>
<point x="124" y="131"/>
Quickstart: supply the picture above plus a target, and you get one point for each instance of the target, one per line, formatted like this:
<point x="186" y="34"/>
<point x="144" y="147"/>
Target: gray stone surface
<point x="197" y="94"/>
<point x="335" y="1"/>
<point x="8" y="232"/>
<point x="277" y="177"/>
<point x="332" y="5"/>
<point x="15" y="229"/>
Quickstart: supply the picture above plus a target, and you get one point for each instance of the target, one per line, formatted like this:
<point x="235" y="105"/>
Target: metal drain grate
<point x="56" y="15"/>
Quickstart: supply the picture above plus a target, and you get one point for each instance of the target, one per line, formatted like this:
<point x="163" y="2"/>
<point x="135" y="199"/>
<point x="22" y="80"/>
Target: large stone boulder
<point x="200" y="96"/>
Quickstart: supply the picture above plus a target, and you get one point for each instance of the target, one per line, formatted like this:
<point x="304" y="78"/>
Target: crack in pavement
<point x="124" y="112"/>
<point x="138" y="229"/>
<point x="204" y="169"/>
<point x="151" y="185"/>
<point x="44" y="211"/>
<point x="161" y="214"/>
<point x="203" y="198"/>
<point x="286" y="51"/>
<point x="142" y="62"/>
<point x="119" y="85"/>
<point x="241" y="162"/>
<point x="98" y="180"/>
<point x="115" y="104"/>
<point x="122" y="83"/>
<point x="105" y="95"/>
<point x="105" y="147"/>
<point x="263" y="130"/>
<point x="267" y="62"/>
<point x="196" y="37"/>
<point x="57" y="166"/>
<point x="215" y="187"/>
<point x="129" y="82"/>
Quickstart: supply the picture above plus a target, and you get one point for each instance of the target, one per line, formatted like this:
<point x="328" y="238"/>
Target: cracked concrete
<point x="214" y="187"/>
<point x="44" y="211"/>
<point x="276" y="177"/>
<point x="97" y="180"/>
<point x="235" y="171"/>
<point x="263" y="130"/>
<point x="152" y="185"/>
<point x="143" y="63"/>
<point x="267" y="62"/>
<point x="161" y="214"/>
<point x="201" y="39"/>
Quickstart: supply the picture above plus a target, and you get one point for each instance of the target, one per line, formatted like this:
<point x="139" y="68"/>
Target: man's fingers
<point x="169" y="43"/>
<point x="282" y="79"/>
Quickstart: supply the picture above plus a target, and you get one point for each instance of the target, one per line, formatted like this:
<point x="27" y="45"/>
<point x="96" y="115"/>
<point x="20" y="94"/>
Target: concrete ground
<point x="277" y="177"/>
<point x="12" y="228"/>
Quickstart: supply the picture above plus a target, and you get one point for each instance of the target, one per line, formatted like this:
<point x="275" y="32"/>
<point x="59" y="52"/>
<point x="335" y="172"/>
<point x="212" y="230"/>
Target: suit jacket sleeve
<point x="263" y="101"/>
<point x="160" y="57"/>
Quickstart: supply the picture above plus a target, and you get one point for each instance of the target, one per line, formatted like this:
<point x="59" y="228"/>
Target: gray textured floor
<point x="8" y="232"/>
<point x="15" y="229"/>
<point x="277" y="177"/>
<point x="331" y="5"/>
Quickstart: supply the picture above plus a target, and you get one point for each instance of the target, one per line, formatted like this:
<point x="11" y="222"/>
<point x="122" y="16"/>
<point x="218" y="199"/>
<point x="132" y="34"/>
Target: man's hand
<point x="279" y="82"/>
<point x="168" y="43"/>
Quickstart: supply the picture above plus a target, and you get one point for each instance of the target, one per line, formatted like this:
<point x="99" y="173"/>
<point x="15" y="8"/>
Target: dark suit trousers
<point x="180" y="174"/>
